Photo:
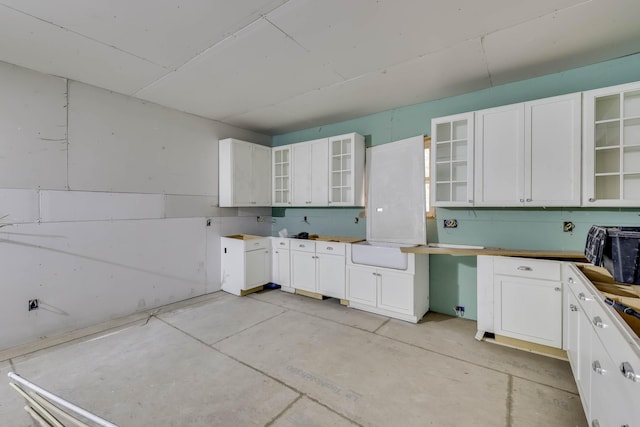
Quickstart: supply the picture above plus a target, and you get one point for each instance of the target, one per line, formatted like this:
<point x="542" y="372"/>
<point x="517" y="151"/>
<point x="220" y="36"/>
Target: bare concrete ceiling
<point x="274" y="66"/>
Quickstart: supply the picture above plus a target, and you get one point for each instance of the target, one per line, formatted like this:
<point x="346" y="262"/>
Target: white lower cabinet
<point x="318" y="267"/>
<point x="280" y="264"/>
<point x="604" y="354"/>
<point x="402" y="294"/>
<point x="245" y="263"/>
<point x="525" y="297"/>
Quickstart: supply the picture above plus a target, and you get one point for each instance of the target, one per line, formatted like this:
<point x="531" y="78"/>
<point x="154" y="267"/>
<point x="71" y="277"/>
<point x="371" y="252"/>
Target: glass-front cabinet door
<point x="346" y="170"/>
<point x="612" y="146"/>
<point x="452" y="160"/>
<point x="281" y="176"/>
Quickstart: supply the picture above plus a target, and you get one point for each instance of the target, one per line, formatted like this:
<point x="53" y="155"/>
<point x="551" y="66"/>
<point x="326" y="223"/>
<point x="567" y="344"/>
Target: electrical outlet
<point x="459" y="309"/>
<point x="568" y="226"/>
<point x="33" y="304"/>
<point x="450" y="223"/>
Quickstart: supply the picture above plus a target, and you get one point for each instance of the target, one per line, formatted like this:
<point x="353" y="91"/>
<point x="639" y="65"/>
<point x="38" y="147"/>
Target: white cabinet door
<point x="395" y="291"/>
<point x="362" y="285"/>
<point x="242" y="174"/>
<point x="499" y="179"/>
<point x="529" y="309"/>
<point x="257" y="268"/>
<point x="280" y="273"/>
<point x="310" y="173"/>
<point x="261" y="176"/>
<point x="303" y="270"/>
<point x="452" y="160"/>
<point x="552" y="151"/>
<point x="331" y="275"/>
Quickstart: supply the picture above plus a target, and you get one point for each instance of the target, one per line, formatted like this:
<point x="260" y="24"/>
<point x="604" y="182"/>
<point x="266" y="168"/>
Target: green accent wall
<point x="453" y="278"/>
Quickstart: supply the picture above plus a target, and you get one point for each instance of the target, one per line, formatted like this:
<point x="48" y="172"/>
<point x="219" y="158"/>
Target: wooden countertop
<point x="528" y="253"/>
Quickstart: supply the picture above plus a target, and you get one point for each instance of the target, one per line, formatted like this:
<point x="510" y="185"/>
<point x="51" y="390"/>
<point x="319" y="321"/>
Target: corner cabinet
<point x="612" y="146"/>
<point x="244" y="174"/>
<point x="346" y="170"/>
<point x="528" y="154"/>
<point x="452" y="160"/>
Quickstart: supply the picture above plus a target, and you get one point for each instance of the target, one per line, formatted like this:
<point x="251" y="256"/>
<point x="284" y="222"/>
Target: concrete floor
<point x="276" y="359"/>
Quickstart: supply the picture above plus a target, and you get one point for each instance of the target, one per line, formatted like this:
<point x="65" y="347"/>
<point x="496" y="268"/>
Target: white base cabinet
<point x="525" y="299"/>
<point x="318" y="267"/>
<point x="604" y="354"/>
<point x="280" y="263"/>
<point x="402" y="294"/>
<point x="245" y="263"/>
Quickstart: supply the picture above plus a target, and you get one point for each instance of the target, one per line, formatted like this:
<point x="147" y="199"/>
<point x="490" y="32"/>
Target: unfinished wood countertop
<point x="526" y="253"/>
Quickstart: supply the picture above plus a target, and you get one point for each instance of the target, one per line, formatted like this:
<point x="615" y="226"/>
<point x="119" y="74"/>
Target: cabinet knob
<point x="595" y="423"/>
<point x="627" y="371"/>
<point x="521" y="200"/>
<point x="582" y="297"/>
<point x="597" y="321"/>
<point x="471" y="201"/>
<point x="529" y="200"/>
<point x="571" y="280"/>
<point x="591" y="199"/>
<point x="557" y="289"/>
<point x="573" y="307"/>
<point x="597" y="368"/>
<point x="525" y="268"/>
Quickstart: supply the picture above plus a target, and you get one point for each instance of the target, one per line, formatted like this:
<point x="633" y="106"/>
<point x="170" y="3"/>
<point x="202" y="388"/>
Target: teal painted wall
<point x="453" y="278"/>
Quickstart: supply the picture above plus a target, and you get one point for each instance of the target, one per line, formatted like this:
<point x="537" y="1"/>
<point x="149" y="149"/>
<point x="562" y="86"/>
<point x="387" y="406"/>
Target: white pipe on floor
<point x="78" y="410"/>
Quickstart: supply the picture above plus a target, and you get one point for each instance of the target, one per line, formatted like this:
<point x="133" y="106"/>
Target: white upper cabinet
<point x="612" y="146"/>
<point x="452" y="160"/>
<point x="346" y="170"/>
<point x="310" y="184"/>
<point x="528" y="154"/>
<point x="244" y="173"/>
<point x="281" y="168"/>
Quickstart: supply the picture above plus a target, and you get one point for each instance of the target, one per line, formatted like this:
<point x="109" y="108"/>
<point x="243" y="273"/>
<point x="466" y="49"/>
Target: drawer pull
<point x="572" y="307"/>
<point x="627" y="371"/>
<point x="301" y="245"/>
<point x="597" y="368"/>
<point x="525" y="268"/>
<point x="282" y="243"/>
<point x="582" y="297"/>
<point x="329" y="248"/>
<point x="597" y="321"/>
<point x="557" y="289"/>
<point x="571" y="280"/>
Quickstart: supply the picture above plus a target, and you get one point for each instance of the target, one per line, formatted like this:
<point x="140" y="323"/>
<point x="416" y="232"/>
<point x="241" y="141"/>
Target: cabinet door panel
<point x="261" y="176"/>
<point x="529" y="309"/>
<point x="301" y="183"/>
<point x="257" y="268"/>
<point x="361" y="285"/>
<point x="281" y="272"/>
<point x="552" y="145"/>
<point x="242" y="183"/>
<point x="500" y="156"/>
<point x="396" y="292"/>
<point x="319" y="172"/>
<point x="303" y="271"/>
<point x="331" y="275"/>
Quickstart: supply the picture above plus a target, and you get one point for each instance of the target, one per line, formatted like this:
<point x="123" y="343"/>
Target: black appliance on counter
<point x="617" y="249"/>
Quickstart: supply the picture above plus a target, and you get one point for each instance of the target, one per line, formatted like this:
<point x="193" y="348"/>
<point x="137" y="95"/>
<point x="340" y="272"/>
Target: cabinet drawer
<point x="332" y="248"/>
<point x="280" y="242"/>
<point x="253" y="244"/>
<point x="302" y="245"/>
<point x="525" y="267"/>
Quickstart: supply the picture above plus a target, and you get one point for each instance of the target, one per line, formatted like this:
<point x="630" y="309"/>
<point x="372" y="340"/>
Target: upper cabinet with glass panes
<point x="451" y="174"/>
<point x="346" y="170"/>
<point x="611" y="146"/>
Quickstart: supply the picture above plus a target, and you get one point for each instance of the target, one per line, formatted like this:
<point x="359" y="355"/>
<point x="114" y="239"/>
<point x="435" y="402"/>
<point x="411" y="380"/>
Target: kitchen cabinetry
<point x="346" y="170"/>
<point x="280" y="264"/>
<point x="245" y="263"/>
<point x="310" y="173"/>
<point x="318" y="267"/>
<point x="402" y="294"/>
<point x="281" y="169"/>
<point x="604" y="354"/>
<point x="244" y="173"/>
<point x="528" y="154"/>
<point x="612" y="146"/>
<point x="526" y="299"/>
<point x="452" y="160"/>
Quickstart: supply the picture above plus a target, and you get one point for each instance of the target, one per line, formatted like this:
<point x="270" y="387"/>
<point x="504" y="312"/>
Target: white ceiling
<point x="274" y="66"/>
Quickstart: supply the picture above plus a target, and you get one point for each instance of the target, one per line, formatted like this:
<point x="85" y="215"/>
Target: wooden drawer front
<point x="280" y="243"/>
<point x="253" y="244"/>
<point x="302" y="245"/>
<point x="332" y="248"/>
<point x="525" y="267"/>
